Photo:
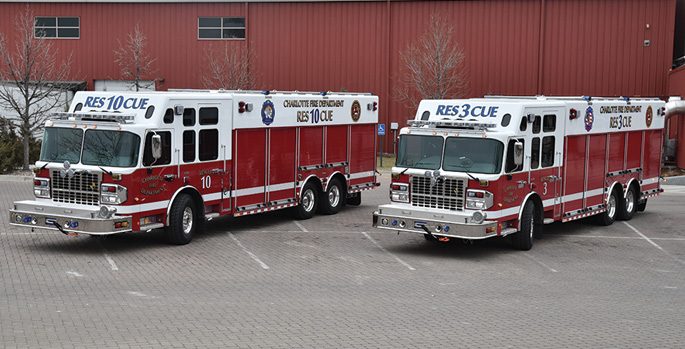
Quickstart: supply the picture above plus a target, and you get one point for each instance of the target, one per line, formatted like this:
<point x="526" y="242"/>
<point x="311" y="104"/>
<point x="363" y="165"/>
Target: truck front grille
<point x="82" y="188"/>
<point x="447" y="193"/>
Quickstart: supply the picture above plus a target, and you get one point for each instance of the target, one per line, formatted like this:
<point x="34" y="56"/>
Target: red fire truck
<point x="122" y="162"/>
<point x="498" y="166"/>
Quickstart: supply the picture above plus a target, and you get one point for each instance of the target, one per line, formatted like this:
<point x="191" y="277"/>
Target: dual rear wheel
<point x="328" y="202"/>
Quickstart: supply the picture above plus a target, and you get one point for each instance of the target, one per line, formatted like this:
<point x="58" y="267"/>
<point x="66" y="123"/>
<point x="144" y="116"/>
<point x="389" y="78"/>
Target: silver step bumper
<point x="33" y="214"/>
<point x="453" y="225"/>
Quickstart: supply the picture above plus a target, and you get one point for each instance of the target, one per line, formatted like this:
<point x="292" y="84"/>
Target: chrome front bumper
<point x="411" y="220"/>
<point x="33" y="214"/>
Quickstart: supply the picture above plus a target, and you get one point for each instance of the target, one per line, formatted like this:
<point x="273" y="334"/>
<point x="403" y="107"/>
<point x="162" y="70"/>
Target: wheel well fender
<point x="614" y="186"/>
<point x="633" y="182"/>
<point x="197" y="199"/>
<point x="313" y="179"/>
<point x="339" y="176"/>
<point x="537" y="205"/>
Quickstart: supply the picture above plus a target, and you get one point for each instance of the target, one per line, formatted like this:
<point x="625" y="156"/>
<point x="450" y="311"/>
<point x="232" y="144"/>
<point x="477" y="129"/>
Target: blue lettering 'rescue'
<point x="116" y="102"/>
<point x="465" y="110"/>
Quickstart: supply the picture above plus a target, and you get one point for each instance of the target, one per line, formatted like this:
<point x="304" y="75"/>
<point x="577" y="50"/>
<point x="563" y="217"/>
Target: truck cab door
<point x="545" y="161"/>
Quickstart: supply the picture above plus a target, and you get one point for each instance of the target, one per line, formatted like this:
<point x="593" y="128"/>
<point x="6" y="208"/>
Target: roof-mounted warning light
<point x="372" y="106"/>
<point x="243" y="107"/>
<point x="572" y="114"/>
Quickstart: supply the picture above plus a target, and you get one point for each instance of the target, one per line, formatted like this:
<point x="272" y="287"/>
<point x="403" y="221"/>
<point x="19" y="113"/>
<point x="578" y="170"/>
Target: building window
<point x="57" y="27"/>
<point x="221" y="28"/>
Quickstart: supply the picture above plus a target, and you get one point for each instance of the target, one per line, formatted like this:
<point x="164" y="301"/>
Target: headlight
<point x="399" y="192"/>
<point x="479" y="199"/>
<point x="41" y="187"/>
<point x="113" y="194"/>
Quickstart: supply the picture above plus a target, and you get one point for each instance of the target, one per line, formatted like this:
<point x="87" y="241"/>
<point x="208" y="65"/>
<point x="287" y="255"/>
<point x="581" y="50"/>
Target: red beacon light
<point x="241" y="107"/>
<point x="572" y="114"/>
<point x="372" y="106"/>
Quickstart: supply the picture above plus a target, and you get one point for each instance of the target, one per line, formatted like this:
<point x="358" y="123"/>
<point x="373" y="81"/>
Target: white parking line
<point x="540" y="262"/>
<point x="653" y="243"/>
<point x="301" y="227"/>
<point x="388" y="252"/>
<point x="247" y="251"/>
<point x="107" y="257"/>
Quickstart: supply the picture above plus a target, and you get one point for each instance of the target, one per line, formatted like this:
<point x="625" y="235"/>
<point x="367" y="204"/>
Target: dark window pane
<point x="46" y="33"/>
<point x="524" y="124"/>
<point x="149" y="111"/>
<point x="548" y="151"/>
<point x="210" y="34"/>
<point x="209" y="145"/>
<point x="46" y="21"/>
<point x="536" y="124"/>
<point x="234" y="33"/>
<point x="68" y="33"/>
<point x="188" y="146"/>
<point x="189" y="117"/>
<point x="506" y="119"/>
<point x="234" y="22"/>
<point x="209" y="116"/>
<point x="205" y="22"/>
<point x="535" y="153"/>
<point x="169" y="116"/>
<point x="549" y="124"/>
<point x="68" y="21"/>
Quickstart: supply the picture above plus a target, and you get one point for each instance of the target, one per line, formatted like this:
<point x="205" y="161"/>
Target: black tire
<point x="355" y="200"/>
<point x="182" y="220"/>
<point x="609" y="216"/>
<point x="523" y="240"/>
<point x="642" y="206"/>
<point x="628" y="205"/>
<point x="309" y="200"/>
<point x="332" y="199"/>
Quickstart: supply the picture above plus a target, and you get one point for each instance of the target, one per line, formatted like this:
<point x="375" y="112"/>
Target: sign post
<point x="381" y="132"/>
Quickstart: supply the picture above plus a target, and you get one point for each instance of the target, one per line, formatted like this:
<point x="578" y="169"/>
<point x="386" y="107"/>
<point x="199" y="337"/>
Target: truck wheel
<point x="182" y="220"/>
<point x="332" y="199"/>
<point x="523" y="240"/>
<point x="642" y="205"/>
<point x="355" y="200"/>
<point x="629" y="205"/>
<point x="308" y="202"/>
<point x="609" y="216"/>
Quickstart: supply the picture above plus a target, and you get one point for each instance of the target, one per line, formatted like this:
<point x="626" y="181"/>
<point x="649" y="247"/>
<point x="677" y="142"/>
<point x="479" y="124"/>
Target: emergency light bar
<point x="120" y="118"/>
<point x="447" y="123"/>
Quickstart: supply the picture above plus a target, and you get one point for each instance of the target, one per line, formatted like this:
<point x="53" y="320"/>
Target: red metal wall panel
<point x="311" y="146"/>
<point x="525" y="47"/>
<point x="617" y="145"/>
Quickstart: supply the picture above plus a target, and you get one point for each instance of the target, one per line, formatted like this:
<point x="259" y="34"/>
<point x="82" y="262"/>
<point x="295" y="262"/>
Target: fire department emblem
<point x="268" y="112"/>
<point x="589" y="119"/>
<point x="356" y="111"/>
<point x="649" y="116"/>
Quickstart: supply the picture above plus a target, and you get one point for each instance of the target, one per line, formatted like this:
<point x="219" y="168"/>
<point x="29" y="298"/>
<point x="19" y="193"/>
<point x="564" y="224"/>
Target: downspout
<point x="541" y="45"/>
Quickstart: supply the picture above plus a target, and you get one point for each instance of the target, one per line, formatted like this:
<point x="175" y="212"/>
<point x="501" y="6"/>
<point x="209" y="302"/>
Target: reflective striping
<point x="360" y="175"/>
<point x="266" y="209"/>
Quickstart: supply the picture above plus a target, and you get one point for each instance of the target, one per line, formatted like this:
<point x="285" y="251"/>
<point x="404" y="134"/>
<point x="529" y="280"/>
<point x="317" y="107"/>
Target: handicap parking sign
<point x="381" y="129"/>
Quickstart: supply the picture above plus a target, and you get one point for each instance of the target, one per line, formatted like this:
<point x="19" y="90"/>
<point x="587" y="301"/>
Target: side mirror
<point x="531" y="118"/>
<point x="518" y="153"/>
<point x="156" y="146"/>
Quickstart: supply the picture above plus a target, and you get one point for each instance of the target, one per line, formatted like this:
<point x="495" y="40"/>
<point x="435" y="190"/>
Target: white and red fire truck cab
<point x="495" y="166"/>
<point x="121" y="162"/>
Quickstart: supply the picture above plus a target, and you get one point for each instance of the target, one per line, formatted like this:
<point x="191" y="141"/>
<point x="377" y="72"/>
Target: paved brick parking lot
<point x="267" y="281"/>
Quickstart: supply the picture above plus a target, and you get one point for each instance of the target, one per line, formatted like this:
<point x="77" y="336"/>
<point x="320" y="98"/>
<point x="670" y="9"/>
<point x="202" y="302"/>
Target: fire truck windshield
<point x="462" y="154"/>
<point x="100" y="147"/>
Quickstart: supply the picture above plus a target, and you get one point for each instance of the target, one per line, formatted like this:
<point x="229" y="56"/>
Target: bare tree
<point x="230" y="69"/>
<point x="31" y="77"/>
<point x="433" y="67"/>
<point x="134" y="61"/>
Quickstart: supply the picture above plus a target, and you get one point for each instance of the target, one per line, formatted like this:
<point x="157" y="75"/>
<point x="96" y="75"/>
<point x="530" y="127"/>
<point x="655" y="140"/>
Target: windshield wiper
<point x="105" y="171"/>
<point x="470" y="175"/>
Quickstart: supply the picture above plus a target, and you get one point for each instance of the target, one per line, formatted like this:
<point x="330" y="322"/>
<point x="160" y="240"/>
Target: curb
<point x="10" y="178"/>
<point x="675" y="180"/>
